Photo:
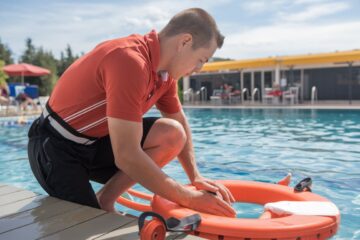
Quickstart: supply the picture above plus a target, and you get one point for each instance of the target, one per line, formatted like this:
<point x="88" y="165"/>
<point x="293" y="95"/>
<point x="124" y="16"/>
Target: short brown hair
<point x="197" y="22"/>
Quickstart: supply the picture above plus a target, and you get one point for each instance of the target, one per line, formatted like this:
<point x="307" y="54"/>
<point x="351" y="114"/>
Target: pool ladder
<point x="314" y="95"/>
<point x="254" y="93"/>
<point x="244" y="92"/>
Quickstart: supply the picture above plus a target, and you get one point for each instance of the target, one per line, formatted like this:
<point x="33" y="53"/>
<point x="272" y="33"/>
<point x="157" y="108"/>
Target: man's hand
<point x="204" y="201"/>
<point x="220" y="190"/>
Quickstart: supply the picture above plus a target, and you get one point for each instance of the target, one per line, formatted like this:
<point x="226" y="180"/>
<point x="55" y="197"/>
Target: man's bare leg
<point x="163" y="143"/>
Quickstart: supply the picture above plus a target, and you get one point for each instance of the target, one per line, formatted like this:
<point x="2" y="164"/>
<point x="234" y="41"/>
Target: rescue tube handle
<point x="144" y="215"/>
<point x="186" y="224"/>
<point x="130" y="203"/>
<point x="303" y="185"/>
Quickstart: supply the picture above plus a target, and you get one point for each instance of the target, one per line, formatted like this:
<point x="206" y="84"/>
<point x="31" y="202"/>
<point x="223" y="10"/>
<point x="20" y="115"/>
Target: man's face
<point x="188" y="60"/>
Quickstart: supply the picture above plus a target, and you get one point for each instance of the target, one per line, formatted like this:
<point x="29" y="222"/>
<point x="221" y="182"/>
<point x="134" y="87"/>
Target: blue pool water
<point x="250" y="144"/>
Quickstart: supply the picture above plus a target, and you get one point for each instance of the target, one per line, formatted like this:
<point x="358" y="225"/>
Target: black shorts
<point x="64" y="168"/>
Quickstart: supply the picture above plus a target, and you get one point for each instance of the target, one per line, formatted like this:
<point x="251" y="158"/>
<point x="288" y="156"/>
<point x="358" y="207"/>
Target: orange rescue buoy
<point x="268" y="226"/>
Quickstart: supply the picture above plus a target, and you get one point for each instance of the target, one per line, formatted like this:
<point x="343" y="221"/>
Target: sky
<point x="252" y="28"/>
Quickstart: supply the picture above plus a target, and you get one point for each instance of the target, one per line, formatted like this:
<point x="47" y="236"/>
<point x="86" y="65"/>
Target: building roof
<point x="309" y="59"/>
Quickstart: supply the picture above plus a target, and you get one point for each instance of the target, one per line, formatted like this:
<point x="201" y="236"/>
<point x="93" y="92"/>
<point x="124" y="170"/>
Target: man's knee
<point x="174" y="134"/>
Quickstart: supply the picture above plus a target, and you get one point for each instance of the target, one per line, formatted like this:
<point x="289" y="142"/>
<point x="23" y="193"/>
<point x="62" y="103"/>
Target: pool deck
<point x="28" y="215"/>
<point x="12" y="112"/>
<point x="338" y="105"/>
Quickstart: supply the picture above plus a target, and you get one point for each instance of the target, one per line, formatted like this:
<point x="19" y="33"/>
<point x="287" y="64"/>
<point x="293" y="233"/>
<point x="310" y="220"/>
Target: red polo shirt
<point x="116" y="79"/>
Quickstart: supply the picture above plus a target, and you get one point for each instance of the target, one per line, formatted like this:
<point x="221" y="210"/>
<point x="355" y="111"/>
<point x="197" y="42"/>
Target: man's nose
<point x="197" y="68"/>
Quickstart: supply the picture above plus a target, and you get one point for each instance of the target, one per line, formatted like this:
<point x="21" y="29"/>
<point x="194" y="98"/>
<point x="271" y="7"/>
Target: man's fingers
<point x="222" y="198"/>
<point x="225" y="195"/>
<point x="232" y="199"/>
<point x="219" y="211"/>
<point x="213" y="204"/>
<point x="219" y="195"/>
<point x="210" y="187"/>
<point x="225" y="192"/>
<point x="230" y="196"/>
<point x="228" y="210"/>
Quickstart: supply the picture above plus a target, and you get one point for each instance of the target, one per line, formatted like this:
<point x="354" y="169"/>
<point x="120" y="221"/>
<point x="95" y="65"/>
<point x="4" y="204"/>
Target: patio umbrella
<point x="24" y="69"/>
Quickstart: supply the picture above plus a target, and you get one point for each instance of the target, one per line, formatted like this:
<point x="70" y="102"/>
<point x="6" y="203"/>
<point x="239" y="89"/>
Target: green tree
<point x="46" y="60"/>
<point x="219" y="59"/>
<point x="5" y="54"/>
<point x="39" y="57"/>
<point x="30" y="51"/>
<point x="3" y="75"/>
<point x="69" y="54"/>
<point x="66" y="60"/>
<point x="180" y="90"/>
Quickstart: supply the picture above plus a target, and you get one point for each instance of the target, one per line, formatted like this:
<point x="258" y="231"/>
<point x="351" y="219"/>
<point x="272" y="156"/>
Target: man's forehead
<point x="209" y="51"/>
<point x="209" y="48"/>
<point x="212" y="47"/>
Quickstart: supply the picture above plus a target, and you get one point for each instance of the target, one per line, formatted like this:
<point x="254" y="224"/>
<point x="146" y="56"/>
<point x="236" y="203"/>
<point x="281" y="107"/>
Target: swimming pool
<point x="251" y="144"/>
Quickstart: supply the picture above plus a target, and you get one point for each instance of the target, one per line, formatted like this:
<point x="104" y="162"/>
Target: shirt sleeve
<point x="125" y="76"/>
<point x="169" y="102"/>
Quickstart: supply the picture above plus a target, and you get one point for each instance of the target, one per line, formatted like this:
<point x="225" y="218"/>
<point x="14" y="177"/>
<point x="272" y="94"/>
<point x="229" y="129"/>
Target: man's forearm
<point x="187" y="155"/>
<point x="148" y="174"/>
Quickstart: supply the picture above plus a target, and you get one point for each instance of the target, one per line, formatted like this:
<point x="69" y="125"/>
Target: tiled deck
<point x="27" y="215"/>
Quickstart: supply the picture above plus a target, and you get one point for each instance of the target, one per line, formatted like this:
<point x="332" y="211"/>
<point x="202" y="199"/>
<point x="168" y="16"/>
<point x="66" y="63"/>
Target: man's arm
<point x="187" y="160"/>
<point x="186" y="156"/>
<point x="133" y="161"/>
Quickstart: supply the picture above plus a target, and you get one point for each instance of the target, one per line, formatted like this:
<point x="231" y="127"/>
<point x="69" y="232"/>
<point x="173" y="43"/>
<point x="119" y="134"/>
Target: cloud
<point x="315" y="11"/>
<point x="287" y="39"/>
<point x="309" y="1"/>
<point x="300" y="27"/>
<point x="84" y="25"/>
<point x="255" y="6"/>
<point x="260" y="6"/>
<point x="299" y="10"/>
<point x="282" y="27"/>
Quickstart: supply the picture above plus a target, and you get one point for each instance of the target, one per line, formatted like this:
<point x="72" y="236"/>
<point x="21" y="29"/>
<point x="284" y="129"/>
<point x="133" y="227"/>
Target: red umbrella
<point x="24" y="69"/>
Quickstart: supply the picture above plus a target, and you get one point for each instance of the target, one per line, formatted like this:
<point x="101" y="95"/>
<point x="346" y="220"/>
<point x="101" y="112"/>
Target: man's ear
<point x="186" y="40"/>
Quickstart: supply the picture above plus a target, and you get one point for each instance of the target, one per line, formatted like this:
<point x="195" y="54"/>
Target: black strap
<point x="303" y="185"/>
<point x="186" y="224"/>
<point x="144" y="215"/>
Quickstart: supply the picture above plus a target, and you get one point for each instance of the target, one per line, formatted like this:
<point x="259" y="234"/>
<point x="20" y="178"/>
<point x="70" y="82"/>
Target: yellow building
<point x="330" y="76"/>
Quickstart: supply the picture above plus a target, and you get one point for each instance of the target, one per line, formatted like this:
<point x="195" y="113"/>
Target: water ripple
<point x="251" y="144"/>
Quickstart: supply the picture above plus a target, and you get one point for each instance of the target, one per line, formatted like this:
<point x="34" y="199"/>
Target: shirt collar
<point x="164" y="75"/>
<point x="152" y="40"/>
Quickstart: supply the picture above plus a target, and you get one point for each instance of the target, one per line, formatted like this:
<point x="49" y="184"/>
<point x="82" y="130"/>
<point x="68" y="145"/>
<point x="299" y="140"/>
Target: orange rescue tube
<point x="135" y="205"/>
<point x="153" y="230"/>
<point x="268" y="226"/>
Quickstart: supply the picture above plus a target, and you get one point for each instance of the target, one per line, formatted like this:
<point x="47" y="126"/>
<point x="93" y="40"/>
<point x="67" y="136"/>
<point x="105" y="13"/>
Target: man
<point x="92" y="127"/>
